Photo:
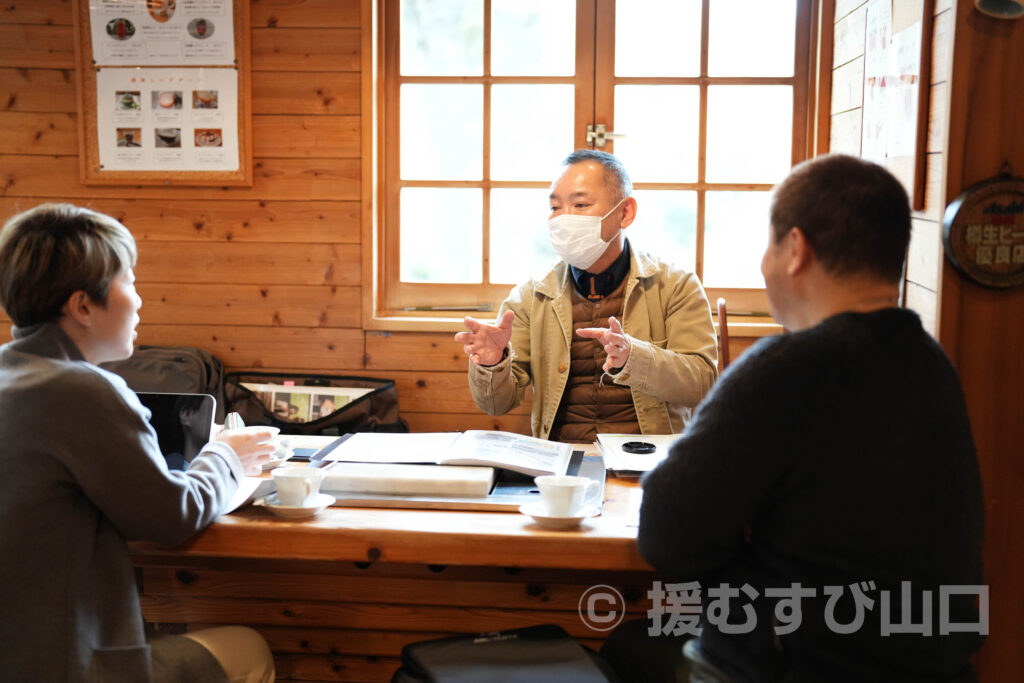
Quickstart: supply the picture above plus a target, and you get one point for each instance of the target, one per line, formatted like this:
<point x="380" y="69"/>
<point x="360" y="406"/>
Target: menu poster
<point x="167" y="119"/>
<point x="162" y="32"/>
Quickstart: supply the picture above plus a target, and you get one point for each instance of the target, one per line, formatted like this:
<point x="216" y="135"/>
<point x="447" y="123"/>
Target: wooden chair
<point x="723" y="335"/>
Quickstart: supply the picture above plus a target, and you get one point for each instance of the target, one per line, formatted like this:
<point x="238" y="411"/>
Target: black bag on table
<point x="522" y="655"/>
<point x="174" y="370"/>
<point x="374" y="411"/>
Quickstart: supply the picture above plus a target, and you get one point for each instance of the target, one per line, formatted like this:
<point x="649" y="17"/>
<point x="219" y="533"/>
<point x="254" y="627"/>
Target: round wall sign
<point x="983" y="232"/>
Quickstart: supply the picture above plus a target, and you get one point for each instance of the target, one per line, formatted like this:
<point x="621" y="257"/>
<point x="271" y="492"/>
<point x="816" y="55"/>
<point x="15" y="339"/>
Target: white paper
<point x="167" y="119"/>
<point x="162" y="32"/>
<point x="877" y="80"/>
<point x="618" y="460"/>
<point x="905" y="56"/>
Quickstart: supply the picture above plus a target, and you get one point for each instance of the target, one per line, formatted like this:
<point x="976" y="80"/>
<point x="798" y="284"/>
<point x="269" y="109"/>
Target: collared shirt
<point x="601" y="285"/>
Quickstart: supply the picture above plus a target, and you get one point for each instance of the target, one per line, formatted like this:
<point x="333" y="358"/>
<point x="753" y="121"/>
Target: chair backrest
<point x="723" y="335"/>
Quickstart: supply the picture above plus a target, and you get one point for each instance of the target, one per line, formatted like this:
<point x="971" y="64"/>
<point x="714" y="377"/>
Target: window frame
<point x="387" y="301"/>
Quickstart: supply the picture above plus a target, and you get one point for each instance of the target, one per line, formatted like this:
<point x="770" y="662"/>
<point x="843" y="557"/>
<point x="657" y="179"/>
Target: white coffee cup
<point x="297" y="486"/>
<point x="566" y="496"/>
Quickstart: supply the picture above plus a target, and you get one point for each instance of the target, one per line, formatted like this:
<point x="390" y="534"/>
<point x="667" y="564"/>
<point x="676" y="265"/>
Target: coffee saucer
<point x="320" y="502"/>
<point x="540" y="515"/>
<point x="277" y="458"/>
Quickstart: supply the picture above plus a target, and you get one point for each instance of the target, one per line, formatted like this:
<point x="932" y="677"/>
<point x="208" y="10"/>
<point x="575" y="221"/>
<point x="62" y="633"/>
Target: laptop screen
<point x="182" y="422"/>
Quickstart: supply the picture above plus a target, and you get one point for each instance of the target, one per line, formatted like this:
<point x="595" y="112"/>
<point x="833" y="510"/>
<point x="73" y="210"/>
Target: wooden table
<point x="337" y="596"/>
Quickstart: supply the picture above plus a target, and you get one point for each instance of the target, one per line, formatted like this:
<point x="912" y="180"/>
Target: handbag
<point x="328" y="405"/>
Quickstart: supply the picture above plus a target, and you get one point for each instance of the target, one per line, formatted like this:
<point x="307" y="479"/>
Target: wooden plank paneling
<point x="848" y="86"/>
<point x="249" y="263"/>
<point x="304" y="49"/>
<point x="305" y="136"/>
<point x="43" y="90"/>
<point x="305" y="13"/>
<point x="437" y="392"/>
<point x="845" y="132"/>
<point x="844" y="7"/>
<point x="849" y="37"/>
<point x="296" y="92"/>
<point x="235" y="304"/>
<point x="37" y="46"/>
<point x="324" y="641"/>
<point x="38" y="133"/>
<point x="274" y="179"/>
<point x="298" y="348"/>
<point x="925" y="251"/>
<point x="937" y="112"/>
<point x="412" y="351"/>
<point x="152" y="220"/>
<point x="181" y="609"/>
<point x="369" y="589"/>
<point x="942" y="47"/>
<point x="49" y="12"/>
<point x="925" y="303"/>
<point x="311" y="669"/>
<point x="934" y="197"/>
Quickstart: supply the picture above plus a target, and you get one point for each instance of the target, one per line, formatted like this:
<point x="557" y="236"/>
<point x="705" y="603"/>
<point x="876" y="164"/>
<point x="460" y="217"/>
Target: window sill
<point x="752" y="328"/>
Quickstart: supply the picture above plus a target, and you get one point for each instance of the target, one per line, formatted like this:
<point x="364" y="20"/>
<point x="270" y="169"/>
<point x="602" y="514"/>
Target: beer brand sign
<point x="983" y="232"/>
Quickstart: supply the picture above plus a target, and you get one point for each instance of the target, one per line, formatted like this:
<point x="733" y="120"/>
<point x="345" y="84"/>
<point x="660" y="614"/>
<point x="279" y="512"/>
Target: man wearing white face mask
<point x="612" y="339"/>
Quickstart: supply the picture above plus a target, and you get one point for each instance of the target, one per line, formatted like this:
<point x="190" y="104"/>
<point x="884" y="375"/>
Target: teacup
<point x="567" y="496"/>
<point x="297" y="486"/>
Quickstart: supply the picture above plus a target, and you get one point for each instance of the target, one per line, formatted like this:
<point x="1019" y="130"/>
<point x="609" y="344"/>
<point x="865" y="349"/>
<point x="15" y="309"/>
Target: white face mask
<point x="577" y="239"/>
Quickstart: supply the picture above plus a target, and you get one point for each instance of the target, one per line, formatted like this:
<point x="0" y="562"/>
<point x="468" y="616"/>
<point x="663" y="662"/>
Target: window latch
<point x="598" y="136"/>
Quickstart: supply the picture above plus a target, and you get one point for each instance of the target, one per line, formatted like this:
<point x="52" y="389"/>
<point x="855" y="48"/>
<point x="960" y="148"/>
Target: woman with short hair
<point x="82" y="471"/>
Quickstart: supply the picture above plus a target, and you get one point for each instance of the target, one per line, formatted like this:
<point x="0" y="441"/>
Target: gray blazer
<point x="81" y="472"/>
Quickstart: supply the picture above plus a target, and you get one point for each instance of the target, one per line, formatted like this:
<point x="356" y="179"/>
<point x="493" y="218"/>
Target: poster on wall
<point x="173" y="119"/>
<point x="162" y="32"/>
<point x="894" y="115"/>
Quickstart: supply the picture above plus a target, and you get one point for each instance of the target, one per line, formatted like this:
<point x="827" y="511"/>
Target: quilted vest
<point x="588" y="405"/>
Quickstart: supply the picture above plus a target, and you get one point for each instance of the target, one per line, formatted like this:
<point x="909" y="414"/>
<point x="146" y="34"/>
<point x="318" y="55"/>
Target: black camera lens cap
<point x="639" y="447"/>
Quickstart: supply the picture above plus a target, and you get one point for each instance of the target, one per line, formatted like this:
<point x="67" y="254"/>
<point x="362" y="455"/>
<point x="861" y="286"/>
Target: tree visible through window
<point x="707" y="100"/>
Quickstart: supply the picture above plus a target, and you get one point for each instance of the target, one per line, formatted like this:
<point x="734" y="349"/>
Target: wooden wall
<point x="266" y="278"/>
<point x="269" y="277"/>
<point x="983" y="329"/>
<point x="924" y="260"/>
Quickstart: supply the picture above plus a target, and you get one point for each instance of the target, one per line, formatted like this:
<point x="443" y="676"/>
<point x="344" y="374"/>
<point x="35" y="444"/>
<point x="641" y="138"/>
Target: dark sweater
<point x="828" y="457"/>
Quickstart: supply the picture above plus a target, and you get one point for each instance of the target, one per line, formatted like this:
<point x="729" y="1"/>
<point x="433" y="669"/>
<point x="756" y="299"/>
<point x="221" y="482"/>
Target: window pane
<point x="735" y="236"/>
<point x="736" y="25"/>
<point x="531" y="130"/>
<point x="441" y="235"/>
<point x="533" y="37"/>
<point x="750" y="133"/>
<point x="442" y="38"/>
<point x="666" y="225"/>
<point x="520" y="247"/>
<point x="657" y="38"/>
<point x="660" y="125"/>
<point x="442" y="132"/>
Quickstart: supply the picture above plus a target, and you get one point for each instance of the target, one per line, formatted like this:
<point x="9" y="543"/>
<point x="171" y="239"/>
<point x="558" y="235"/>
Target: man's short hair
<point x="615" y="175"/>
<point x="54" y="250"/>
<point x="855" y="214"/>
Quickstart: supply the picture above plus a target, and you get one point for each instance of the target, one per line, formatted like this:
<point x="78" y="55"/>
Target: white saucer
<point x="541" y="516"/>
<point x="321" y="501"/>
<point x="278" y="458"/>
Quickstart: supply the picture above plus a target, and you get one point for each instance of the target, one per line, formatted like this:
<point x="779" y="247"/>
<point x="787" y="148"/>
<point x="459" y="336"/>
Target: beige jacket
<point x="672" y="364"/>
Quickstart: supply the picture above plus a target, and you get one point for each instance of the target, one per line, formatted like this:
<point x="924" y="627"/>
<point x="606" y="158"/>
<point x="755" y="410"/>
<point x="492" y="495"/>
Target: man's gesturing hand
<point x="485" y="343"/>
<point x="616" y="343"/>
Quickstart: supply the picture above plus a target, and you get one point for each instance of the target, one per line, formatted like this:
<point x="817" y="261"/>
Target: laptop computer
<point x="183" y="423"/>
